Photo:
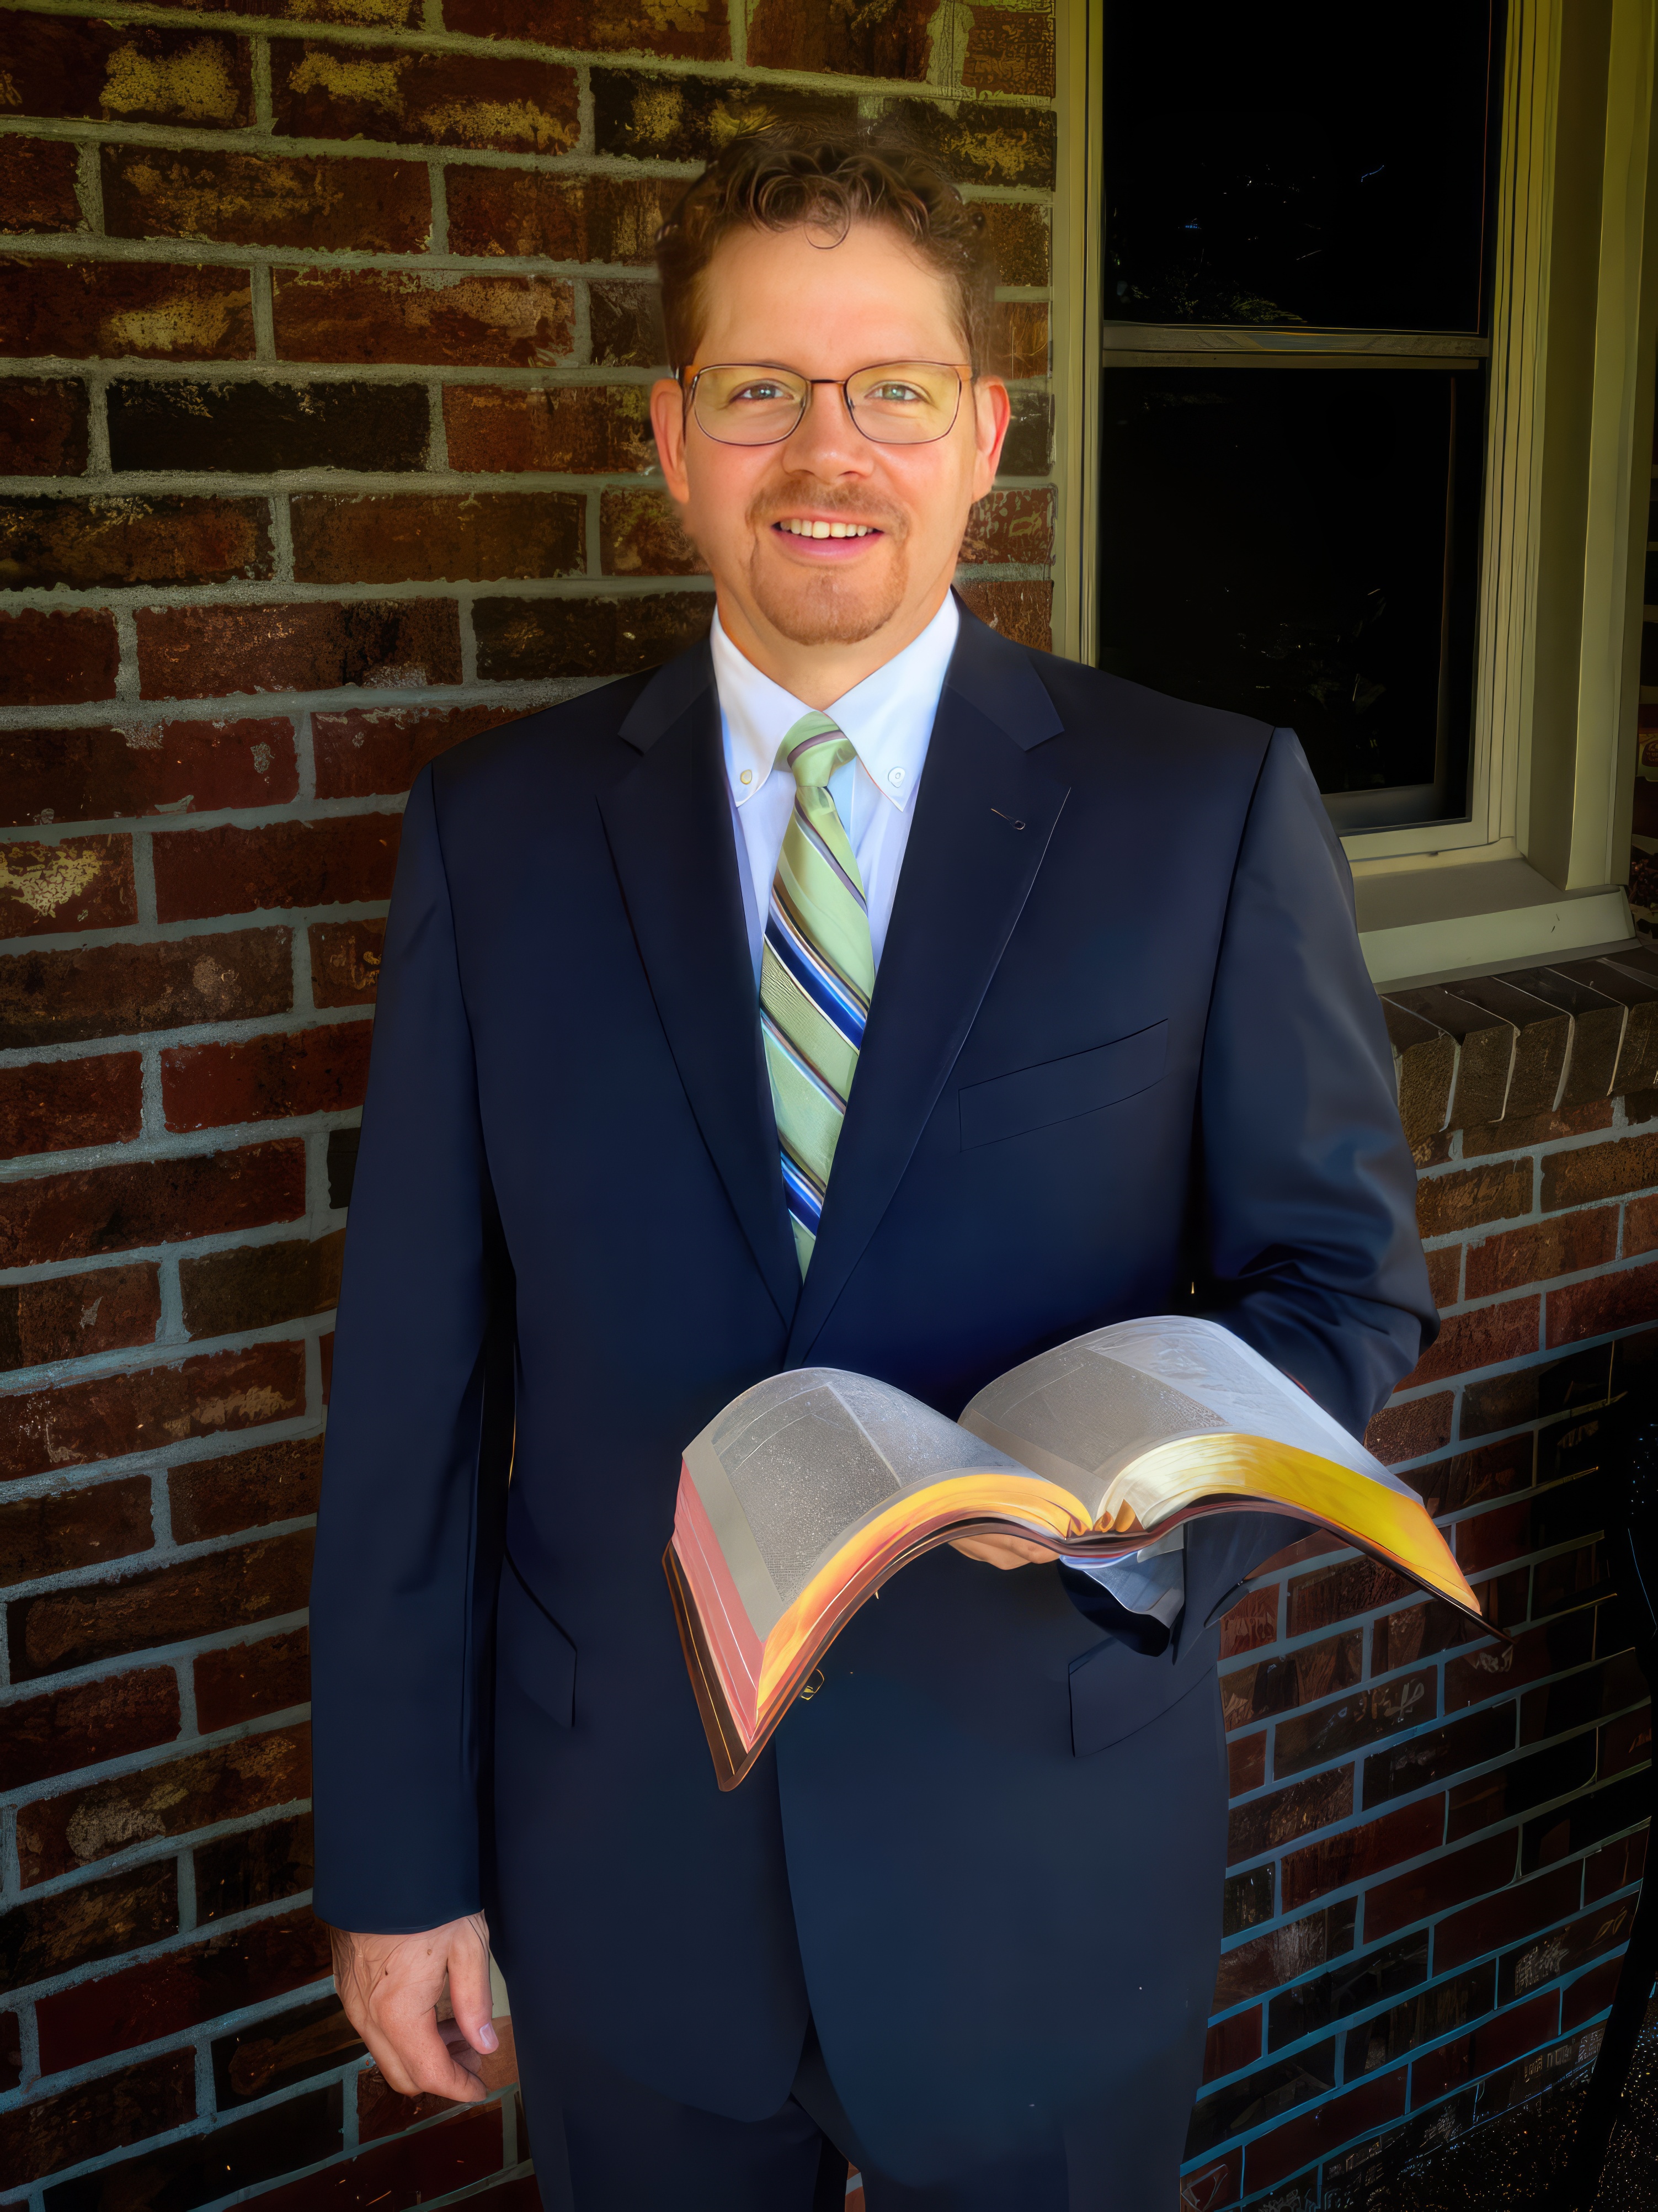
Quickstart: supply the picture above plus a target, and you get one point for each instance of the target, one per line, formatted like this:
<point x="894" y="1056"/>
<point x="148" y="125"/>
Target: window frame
<point x="1539" y="866"/>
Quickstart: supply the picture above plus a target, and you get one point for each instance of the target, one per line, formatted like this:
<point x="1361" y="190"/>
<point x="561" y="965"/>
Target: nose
<point x="826" y="441"/>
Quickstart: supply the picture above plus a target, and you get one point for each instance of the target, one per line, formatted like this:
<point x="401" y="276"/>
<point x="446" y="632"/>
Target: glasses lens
<point x="749" y="407"/>
<point x="907" y="403"/>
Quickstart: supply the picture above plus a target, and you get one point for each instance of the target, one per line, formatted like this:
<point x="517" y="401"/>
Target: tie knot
<point x="813" y="748"/>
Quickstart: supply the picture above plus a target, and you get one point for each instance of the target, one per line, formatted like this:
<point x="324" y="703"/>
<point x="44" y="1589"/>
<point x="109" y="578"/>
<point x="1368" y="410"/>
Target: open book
<point x="810" y="1490"/>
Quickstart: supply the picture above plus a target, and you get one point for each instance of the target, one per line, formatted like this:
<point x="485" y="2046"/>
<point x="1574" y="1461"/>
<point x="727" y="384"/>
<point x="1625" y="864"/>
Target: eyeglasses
<point x="901" y="403"/>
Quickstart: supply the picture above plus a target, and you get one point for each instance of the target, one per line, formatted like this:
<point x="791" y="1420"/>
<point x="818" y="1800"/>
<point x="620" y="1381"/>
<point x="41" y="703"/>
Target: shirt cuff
<point x="1152" y="1581"/>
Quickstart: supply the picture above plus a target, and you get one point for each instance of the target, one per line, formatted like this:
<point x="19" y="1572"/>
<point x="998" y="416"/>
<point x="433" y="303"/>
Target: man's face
<point x="791" y="299"/>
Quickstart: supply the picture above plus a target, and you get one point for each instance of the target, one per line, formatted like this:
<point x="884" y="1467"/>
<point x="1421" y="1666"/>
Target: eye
<point x="759" y="388"/>
<point x="891" y="390"/>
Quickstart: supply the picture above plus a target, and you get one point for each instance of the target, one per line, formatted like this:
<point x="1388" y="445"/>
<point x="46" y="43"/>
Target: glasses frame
<point x="688" y="378"/>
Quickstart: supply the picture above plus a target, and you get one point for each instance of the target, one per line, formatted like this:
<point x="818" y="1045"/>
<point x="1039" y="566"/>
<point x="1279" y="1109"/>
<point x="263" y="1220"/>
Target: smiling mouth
<point x="793" y="526"/>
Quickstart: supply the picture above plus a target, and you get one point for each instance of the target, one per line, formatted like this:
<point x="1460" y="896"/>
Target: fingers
<point x="1004" y="1552"/>
<point x="390" y="1987"/>
<point x="469" y="1982"/>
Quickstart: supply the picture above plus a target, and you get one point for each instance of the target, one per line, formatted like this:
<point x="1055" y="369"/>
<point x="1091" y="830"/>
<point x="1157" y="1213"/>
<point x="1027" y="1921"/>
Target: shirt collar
<point x="889" y="716"/>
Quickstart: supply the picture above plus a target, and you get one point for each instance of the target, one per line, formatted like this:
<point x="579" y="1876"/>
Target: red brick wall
<point x="325" y="331"/>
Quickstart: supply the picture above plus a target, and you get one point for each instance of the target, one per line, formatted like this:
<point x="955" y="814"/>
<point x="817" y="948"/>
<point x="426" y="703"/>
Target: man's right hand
<point x="392" y="1987"/>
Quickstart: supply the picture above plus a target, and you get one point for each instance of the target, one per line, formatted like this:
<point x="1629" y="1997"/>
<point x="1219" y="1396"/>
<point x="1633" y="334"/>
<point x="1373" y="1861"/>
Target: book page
<point x="795" y="1464"/>
<point x="1087" y="1410"/>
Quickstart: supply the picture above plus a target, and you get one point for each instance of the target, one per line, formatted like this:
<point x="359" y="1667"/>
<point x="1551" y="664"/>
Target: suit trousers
<point x="603" y="2143"/>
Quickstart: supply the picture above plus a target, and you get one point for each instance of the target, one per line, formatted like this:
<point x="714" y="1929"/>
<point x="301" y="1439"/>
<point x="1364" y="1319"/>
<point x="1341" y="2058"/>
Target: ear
<point x="668" y="423"/>
<point x="992" y="410"/>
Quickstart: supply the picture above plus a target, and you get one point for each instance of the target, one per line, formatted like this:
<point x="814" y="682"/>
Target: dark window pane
<point x="1301" y="545"/>
<point x="1299" y="162"/>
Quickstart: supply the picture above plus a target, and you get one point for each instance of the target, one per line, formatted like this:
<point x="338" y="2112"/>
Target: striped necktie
<point x="816" y="974"/>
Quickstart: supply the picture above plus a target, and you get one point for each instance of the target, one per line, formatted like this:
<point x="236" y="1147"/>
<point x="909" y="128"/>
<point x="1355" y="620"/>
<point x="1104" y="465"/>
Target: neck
<point x="818" y="675"/>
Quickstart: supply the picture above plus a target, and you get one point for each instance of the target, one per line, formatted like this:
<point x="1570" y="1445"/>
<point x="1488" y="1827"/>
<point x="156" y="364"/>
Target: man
<point x="630" y="1146"/>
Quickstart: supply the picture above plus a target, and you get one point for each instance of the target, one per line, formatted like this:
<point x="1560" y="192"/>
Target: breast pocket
<point x="534" y="1649"/>
<point x="1061" y="1090"/>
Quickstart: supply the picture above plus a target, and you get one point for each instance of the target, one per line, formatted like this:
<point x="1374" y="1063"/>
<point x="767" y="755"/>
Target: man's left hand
<point x="1003" y="1552"/>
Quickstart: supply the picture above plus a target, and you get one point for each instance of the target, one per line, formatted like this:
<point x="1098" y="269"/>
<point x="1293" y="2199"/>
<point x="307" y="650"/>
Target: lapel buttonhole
<point x="1013" y="818"/>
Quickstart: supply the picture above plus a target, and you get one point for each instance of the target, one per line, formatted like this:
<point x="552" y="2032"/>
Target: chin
<point x="828" y="610"/>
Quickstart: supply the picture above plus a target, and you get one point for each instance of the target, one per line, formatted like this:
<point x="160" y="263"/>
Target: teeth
<point x="827" y="529"/>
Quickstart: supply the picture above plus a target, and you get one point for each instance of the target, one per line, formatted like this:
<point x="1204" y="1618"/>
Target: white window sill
<point x="1432" y="925"/>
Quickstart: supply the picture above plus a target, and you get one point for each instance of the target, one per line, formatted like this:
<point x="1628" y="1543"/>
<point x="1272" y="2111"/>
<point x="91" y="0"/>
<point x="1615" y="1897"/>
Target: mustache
<point x="770" y="507"/>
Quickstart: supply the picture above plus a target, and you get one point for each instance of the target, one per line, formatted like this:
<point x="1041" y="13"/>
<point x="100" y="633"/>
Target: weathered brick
<point x="56" y="1106"/>
<point x="79" y="883"/>
<point x="86" y="543"/>
<point x="316" y="1071"/>
<point x="62" y="1529"/>
<point x="1360" y="2111"/>
<point x="345" y="962"/>
<point x="1520" y="1911"/>
<point x="245" y="1682"/>
<point x="1402" y="1768"/>
<point x="1496" y="1667"/>
<point x="1424" y="1064"/>
<point x="1623" y="1163"/>
<point x="1011" y="50"/>
<point x="180" y="1988"/>
<point x="248" y="429"/>
<point x="640" y="535"/>
<point x="237" y="2156"/>
<point x="371" y="749"/>
<point x="529" y="638"/>
<point x="1565" y="1246"/>
<point x="67" y="1317"/>
<point x="258" y="1285"/>
<point x="1246" y="1899"/>
<point x="229" y="870"/>
<point x="692" y="30"/>
<point x="584" y="429"/>
<point x="1640" y="1226"/>
<point x="88" y="1211"/>
<point x="1274" y="1685"/>
<point x="1019" y="340"/>
<point x="1330" y="1731"/>
<point x="57" y="660"/>
<point x="150" y="1407"/>
<point x="85" y="1724"/>
<point x="626" y="323"/>
<point x="1011" y="525"/>
<point x="1587" y="1695"/>
<point x="1519" y="1133"/>
<point x="95" y="1920"/>
<point x="516" y="106"/>
<point x="43" y="425"/>
<point x="107" y="310"/>
<point x="390" y="315"/>
<point x="321" y="204"/>
<point x="1624" y="1300"/>
<point x="91" y="1622"/>
<point x="895" y="42"/>
<point x="554" y="218"/>
<point x="1250" y="1623"/>
<point x="244" y="1489"/>
<point x="1483" y="1338"/>
<point x="984" y="145"/>
<point x="683" y="119"/>
<point x="1420" y="1630"/>
<point x="288" y="2048"/>
<point x="1468" y="1196"/>
<point x="1018" y="234"/>
<point x="1357" y="1853"/>
<point x="408" y="2171"/>
<point x="1625" y="1743"/>
<point x="1420" y="1426"/>
<point x="1499" y="1403"/>
<point x="98" y="2117"/>
<point x="1271" y="2090"/>
<point x="1266" y="1823"/>
<point x="308" y="647"/>
<point x="1612" y="1868"/>
<point x="1448" y="1486"/>
<point x="1330" y="1594"/>
<point x="391" y="537"/>
<point x="111" y="990"/>
<point x="37" y="183"/>
<point x="261" y="1866"/>
<point x="125" y="73"/>
<point x="231" y="1781"/>
<point x="381" y="2110"/>
<point x="151" y="768"/>
<point x="1518" y="1786"/>
<point x="1023" y="612"/>
<point x="1246" y="1763"/>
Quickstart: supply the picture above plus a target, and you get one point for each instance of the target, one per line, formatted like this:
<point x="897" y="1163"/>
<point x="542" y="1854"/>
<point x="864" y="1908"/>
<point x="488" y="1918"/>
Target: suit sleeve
<point x="408" y="1537"/>
<point x="1306" y="1242"/>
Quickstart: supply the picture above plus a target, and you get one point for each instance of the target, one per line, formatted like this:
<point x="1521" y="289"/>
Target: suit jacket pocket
<point x="535" y="1649"/>
<point x="1060" y="1090"/>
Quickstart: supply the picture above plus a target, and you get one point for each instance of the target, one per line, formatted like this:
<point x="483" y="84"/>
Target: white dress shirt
<point x="888" y="718"/>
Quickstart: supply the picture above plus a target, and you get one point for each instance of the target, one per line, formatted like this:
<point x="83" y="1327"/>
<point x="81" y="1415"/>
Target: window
<point x="1297" y="273"/>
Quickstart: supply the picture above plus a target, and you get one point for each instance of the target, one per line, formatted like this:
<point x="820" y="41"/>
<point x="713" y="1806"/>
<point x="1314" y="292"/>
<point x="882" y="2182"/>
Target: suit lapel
<point x="984" y="815"/>
<point x="669" y="830"/>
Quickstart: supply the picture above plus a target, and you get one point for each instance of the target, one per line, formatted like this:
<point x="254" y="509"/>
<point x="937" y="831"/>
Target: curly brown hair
<point x="793" y="173"/>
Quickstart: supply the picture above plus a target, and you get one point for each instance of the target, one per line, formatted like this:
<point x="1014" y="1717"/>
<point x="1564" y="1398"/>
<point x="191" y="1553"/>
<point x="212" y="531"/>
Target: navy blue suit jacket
<point x="1123" y="1058"/>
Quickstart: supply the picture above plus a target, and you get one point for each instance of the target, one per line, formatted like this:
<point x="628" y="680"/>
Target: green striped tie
<point x="816" y="974"/>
